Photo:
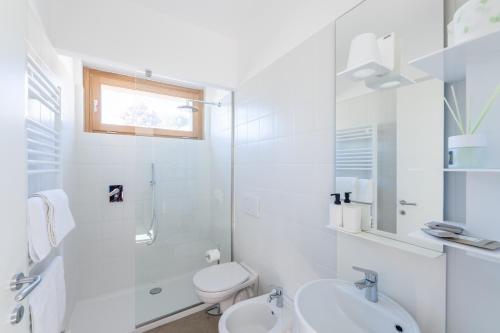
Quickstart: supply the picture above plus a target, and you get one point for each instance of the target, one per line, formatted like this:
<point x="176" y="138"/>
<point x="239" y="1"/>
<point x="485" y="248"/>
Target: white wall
<point x="284" y="159"/>
<point x="472" y="294"/>
<point x="128" y="33"/>
<point x="282" y="26"/>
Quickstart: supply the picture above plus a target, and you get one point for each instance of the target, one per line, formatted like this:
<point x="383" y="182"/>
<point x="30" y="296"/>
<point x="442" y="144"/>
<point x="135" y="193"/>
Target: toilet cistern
<point x="369" y="283"/>
<point x="276" y="293"/>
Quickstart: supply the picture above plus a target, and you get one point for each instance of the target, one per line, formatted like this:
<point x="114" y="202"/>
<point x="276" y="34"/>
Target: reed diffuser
<point x="467" y="150"/>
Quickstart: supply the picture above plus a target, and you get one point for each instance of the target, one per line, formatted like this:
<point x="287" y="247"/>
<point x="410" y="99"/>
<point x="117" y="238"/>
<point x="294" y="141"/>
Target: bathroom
<point x="220" y="214"/>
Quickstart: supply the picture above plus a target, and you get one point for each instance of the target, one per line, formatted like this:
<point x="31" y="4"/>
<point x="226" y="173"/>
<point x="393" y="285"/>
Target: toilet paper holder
<point x="213" y="255"/>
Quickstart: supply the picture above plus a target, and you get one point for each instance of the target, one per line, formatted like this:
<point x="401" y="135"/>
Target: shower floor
<point x="177" y="294"/>
<point x="119" y="312"/>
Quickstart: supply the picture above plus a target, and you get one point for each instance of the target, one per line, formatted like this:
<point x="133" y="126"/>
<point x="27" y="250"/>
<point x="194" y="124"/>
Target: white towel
<point x="39" y="245"/>
<point x="59" y="219"/>
<point x="346" y="184"/>
<point x="365" y="191"/>
<point x="48" y="301"/>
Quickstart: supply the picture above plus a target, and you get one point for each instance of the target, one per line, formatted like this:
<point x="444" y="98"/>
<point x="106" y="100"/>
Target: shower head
<point x="190" y="104"/>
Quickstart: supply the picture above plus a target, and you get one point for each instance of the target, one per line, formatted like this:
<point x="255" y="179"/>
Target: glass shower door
<point x="182" y="209"/>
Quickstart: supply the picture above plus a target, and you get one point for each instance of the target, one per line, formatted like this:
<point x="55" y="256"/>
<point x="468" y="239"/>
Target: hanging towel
<point x="39" y="245"/>
<point x="59" y="219"/>
<point x="48" y="301"/>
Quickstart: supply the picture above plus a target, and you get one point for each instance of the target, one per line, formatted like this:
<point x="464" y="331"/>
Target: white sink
<point x="331" y="306"/>
<point x="256" y="315"/>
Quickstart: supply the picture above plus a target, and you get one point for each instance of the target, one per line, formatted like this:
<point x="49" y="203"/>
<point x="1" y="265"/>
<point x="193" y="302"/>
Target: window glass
<point x="128" y="107"/>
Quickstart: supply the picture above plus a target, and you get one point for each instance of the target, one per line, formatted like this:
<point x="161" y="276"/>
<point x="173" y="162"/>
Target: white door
<point x="13" y="246"/>
<point x="420" y="155"/>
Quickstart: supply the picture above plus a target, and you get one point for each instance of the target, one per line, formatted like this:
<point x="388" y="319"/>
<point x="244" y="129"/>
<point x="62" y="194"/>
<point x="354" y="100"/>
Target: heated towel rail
<point x="356" y="148"/>
<point x="43" y="123"/>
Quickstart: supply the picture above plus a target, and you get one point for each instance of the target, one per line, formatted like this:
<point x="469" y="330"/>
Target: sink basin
<point x="329" y="306"/>
<point x="256" y="315"/>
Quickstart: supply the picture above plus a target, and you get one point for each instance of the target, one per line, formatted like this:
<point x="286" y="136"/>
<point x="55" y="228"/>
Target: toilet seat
<point x="220" y="278"/>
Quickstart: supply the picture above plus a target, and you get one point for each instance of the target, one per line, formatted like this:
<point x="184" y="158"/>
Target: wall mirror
<point x="389" y="115"/>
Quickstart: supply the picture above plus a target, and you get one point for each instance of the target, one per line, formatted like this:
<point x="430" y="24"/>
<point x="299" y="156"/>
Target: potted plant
<point x="474" y="19"/>
<point x="467" y="150"/>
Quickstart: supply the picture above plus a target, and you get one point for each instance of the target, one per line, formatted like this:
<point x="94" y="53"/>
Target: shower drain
<point x="155" y="291"/>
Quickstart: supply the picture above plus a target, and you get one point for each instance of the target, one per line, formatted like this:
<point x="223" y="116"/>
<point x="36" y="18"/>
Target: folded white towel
<point x="39" y="245"/>
<point x="48" y="301"/>
<point x="365" y="191"/>
<point x="59" y="219"/>
<point x="346" y="184"/>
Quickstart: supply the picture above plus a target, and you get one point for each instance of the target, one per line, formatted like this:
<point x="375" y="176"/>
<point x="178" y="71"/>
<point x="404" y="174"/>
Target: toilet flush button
<point x="251" y="205"/>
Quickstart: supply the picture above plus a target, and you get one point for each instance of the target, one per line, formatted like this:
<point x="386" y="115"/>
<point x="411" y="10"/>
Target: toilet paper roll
<point x="212" y="255"/>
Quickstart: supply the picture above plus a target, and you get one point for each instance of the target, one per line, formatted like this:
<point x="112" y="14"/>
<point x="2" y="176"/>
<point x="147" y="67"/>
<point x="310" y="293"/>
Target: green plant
<point x="457" y="116"/>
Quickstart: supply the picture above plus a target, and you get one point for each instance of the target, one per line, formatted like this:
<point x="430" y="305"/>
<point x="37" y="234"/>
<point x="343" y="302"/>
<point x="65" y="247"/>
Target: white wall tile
<point x="285" y="162"/>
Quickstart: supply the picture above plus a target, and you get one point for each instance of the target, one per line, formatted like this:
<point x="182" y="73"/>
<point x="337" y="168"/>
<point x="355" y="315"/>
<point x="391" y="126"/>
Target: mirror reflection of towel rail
<point x="19" y="280"/>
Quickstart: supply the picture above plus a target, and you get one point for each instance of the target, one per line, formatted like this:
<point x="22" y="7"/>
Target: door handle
<point x="17" y="282"/>
<point x="406" y="203"/>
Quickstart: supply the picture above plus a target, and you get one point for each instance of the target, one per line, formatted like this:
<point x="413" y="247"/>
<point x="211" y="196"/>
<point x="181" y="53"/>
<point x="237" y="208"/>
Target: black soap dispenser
<point x="337" y="198"/>
<point x="347" y="197"/>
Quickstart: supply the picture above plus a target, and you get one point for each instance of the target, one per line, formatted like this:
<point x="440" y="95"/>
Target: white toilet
<point x="225" y="284"/>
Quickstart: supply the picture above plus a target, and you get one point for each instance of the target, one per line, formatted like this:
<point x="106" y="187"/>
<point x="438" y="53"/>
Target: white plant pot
<point x="467" y="151"/>
<point x="475" y="19"/>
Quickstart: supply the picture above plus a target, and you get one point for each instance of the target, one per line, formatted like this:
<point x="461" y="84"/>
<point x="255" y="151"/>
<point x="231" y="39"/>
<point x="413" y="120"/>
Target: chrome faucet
<point x="276" y="293"/>
<point x="369" y="283"/>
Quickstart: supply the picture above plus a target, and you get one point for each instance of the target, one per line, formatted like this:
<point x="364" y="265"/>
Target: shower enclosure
<point x="137" y="257"/>
<point x="182" y="208"/>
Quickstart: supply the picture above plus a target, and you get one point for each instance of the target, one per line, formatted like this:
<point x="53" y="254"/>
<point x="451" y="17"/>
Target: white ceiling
<point x="227" y="17"/>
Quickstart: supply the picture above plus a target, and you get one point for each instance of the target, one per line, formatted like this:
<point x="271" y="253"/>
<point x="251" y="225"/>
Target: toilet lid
<point x="220" y="277"/>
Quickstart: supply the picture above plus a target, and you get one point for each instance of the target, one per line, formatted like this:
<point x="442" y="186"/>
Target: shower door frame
<point x="181" y="313"/>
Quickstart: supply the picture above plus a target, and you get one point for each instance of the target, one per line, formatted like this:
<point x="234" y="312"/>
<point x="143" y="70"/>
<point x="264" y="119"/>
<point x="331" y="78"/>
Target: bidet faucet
<point x="276" y="293"/>
<point x="369" y="283"/>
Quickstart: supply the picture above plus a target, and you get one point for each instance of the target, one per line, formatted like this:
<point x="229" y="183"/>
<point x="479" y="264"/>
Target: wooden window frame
<point x="92" y="81"/>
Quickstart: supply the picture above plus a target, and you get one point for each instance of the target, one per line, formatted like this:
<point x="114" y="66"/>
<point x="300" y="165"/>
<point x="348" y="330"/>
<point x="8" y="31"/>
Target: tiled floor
<point x="196" y="323"/>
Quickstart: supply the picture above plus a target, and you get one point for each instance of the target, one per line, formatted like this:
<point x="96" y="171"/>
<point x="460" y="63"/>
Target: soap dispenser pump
<point x="347" y="197"/>
<point x="337" y="198"/>
<point x="336" y="211"/>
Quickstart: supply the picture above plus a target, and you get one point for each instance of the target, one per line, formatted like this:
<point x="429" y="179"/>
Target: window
<point x="126" y="105"/>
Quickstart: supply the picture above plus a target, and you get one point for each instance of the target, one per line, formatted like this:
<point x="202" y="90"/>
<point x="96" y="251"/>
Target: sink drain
<point x="398" y="328"/>
<point x="155" y="291"/>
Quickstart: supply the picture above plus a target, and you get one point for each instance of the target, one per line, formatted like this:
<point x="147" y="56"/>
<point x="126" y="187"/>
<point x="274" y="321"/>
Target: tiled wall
<point x="283" y="163"/>
<point x="109" y="259"/>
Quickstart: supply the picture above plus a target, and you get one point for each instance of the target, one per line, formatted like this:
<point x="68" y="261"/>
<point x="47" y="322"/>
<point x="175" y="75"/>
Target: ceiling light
<point x="388" y="81"/>
<point x="364" y="73"/>
<point x="390" y="84"/>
